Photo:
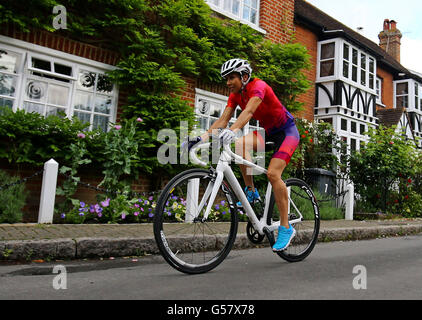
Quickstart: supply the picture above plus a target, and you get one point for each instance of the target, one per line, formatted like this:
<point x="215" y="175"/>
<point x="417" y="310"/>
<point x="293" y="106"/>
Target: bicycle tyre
<point x="181" y="250"/>
<point x="307" y="231"/>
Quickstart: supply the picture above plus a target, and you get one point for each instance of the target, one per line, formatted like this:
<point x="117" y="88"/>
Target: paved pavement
<point x="30" y="242"/>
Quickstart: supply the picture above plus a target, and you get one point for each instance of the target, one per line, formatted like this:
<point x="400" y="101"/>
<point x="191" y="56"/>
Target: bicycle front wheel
<point x="187" y="241"/>
<point x="302" y="203"/>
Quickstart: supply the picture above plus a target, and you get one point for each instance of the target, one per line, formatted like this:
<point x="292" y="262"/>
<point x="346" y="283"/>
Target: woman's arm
<point x="246" y="114"/>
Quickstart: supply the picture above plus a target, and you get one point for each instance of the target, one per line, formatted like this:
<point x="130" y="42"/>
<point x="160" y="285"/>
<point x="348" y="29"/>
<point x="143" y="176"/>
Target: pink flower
<point x="136" y="213"/>
<point x="105" y="203"/>
<point x="117" y="127"/>
<point x="139" y="120"/>
<point x="81" y="135"/>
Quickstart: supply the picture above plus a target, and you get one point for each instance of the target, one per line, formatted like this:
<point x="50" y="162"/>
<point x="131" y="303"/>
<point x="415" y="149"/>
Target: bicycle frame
<point x="223" y="170"/>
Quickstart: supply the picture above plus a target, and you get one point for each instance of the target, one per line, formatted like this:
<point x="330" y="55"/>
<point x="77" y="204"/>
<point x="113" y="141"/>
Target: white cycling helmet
<point x="236" y="65"/>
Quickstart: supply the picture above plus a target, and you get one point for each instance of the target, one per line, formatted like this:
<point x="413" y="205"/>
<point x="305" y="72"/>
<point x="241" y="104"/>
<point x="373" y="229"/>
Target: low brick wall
<point x="33" y="186"/>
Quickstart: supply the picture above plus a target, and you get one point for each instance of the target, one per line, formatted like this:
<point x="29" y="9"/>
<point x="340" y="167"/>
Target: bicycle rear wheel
<point x="301" y="200"/>
<point x="187" y="242"/>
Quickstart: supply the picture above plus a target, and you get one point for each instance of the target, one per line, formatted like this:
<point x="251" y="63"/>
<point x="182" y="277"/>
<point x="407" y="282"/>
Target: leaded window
<point x="51" y="86"/>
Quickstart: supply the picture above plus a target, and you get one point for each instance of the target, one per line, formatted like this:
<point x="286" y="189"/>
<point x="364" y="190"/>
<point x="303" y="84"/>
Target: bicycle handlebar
<point x="231" y="154"/>
<point x="193" y="156"/>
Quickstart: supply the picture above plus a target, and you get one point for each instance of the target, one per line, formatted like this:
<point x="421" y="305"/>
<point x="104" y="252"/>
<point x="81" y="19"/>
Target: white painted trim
<point x="333" y="111"/>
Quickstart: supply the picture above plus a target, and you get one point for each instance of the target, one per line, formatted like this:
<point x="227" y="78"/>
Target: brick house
<point x="357" y="83"/>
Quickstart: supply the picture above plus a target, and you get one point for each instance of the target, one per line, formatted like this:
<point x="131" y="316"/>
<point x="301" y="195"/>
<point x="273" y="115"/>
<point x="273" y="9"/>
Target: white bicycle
<point x="196" y="217"/>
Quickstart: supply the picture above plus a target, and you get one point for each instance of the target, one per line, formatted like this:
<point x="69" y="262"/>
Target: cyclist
<point x="257" y="100"/>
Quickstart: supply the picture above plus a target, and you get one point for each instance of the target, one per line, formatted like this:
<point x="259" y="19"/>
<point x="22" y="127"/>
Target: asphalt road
<point x="388" y="268"/>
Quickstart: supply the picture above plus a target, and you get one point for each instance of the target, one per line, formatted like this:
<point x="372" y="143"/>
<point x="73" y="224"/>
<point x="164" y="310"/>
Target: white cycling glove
<point x="226" y="136"/>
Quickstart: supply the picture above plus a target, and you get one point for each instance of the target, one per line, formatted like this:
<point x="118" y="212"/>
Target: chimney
<point x="390" y="39"/>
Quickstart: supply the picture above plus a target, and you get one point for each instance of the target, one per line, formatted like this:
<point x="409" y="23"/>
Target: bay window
<point x="338" y="59"/>
<point x="36" y="80"/>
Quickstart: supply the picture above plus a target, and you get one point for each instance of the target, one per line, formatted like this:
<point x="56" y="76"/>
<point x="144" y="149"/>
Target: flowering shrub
<point x="137" y="210"/>
<point x="382" y="172"/>
<point x="121" y="209"/>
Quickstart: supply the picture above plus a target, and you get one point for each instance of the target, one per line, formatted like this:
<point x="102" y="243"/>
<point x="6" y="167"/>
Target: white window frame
<point x="52" y="62"/>
<point x="409" y="93"/>
<point x="220" y="9"/>
<point x="218" y="98"/>
<point x="339" y="63"/>
<point x="358" y="82"/>
<point x="113" y="114"/>
<point x="23" y="99"/>
<point x="336" y="59"/>
<point x="29" y="50"/>
<point x="18" y="74"/>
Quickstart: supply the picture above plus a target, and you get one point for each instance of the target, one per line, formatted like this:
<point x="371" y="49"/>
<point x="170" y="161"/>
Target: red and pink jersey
<point x="270" y="113"/>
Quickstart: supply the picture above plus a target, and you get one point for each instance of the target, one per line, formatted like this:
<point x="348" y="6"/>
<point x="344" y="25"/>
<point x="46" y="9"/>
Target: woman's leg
<point x="275" y="170"/>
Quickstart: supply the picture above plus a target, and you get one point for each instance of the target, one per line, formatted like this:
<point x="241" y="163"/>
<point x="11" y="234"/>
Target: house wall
<point x="276" y="17"/>
<point x="307" y="38"/>
<point x="387" y="88"/>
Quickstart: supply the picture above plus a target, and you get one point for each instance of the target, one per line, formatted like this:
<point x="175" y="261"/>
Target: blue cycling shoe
<point x="284" y="238"/>
<point x="250" y="195"/>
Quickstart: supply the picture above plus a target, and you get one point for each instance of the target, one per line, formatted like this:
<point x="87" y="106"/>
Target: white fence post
<point x="350" y="201"/>
<point x="48" y="192"/>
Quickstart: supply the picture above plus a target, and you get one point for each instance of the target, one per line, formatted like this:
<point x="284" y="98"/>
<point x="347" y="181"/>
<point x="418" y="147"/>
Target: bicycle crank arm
<point x="270" y="236"/>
